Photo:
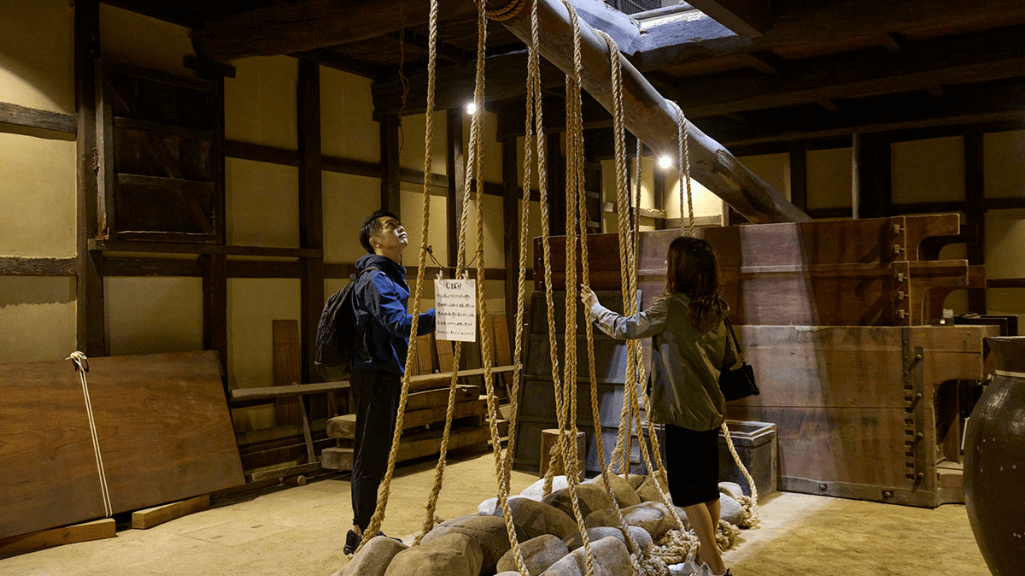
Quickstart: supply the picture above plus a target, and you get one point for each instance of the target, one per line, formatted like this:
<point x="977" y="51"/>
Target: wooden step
<point x="412" y="446"/>
<point x="345" y="426"/>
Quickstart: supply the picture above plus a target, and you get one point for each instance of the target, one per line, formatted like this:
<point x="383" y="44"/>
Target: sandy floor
<point x="300" y="531"/>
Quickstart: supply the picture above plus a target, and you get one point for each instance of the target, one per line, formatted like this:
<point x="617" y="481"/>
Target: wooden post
<point x="658" y="192"/>
<point x="648" y="115"/>
<point x="89" y="317"/>
<point x="556" y="184"/>
<point x="311" y="220"/>
<point x="871" y="176"/>
<point x="456" y="165"/>
<point x="390" y="198"/>
<point x="799" y="175"/>
<point x="215" y="308"/>
<point x="975" y="209"/>
<point x="856" y="152"/>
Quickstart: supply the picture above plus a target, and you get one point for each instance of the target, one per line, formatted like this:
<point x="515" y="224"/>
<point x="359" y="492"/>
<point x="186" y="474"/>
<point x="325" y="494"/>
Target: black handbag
<point x="740" y="382"/>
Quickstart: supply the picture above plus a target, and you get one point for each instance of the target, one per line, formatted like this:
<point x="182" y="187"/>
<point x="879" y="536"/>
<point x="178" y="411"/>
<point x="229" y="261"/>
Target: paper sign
<point x="455" y="306"/>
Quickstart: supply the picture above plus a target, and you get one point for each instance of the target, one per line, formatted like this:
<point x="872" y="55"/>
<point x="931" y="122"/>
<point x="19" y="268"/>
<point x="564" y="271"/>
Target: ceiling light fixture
<point x="471" y="108"/>
<point x="664" y="162"/>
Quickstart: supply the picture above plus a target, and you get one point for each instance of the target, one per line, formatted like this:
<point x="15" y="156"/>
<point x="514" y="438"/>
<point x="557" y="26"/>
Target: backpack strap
<point x="366" y="330"/>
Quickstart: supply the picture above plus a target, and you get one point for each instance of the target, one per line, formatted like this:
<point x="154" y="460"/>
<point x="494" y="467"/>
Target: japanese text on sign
<point x="455" y="303"/>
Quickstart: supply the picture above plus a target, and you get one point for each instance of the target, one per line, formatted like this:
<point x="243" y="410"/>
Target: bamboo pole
<point x="647" y="114"/>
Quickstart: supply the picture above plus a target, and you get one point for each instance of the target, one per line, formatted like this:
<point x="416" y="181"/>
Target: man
<point x="378" y="363"/>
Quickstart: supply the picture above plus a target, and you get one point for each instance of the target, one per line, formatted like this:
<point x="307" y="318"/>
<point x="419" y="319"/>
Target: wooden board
<point x="150" y="517"/>
<point x="46" y="456"/>
<point x="85" y="532"/>
<point x="344" y="426"/>
<point x="413" y="446"/>
<point x="164" y="431"/>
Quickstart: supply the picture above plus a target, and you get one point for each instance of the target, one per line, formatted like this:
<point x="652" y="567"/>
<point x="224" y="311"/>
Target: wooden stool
<point x="550" y="437"/>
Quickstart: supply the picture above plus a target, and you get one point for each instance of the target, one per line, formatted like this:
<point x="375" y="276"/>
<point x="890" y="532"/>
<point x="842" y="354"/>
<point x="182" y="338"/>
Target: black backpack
<point x="336" y="333"/>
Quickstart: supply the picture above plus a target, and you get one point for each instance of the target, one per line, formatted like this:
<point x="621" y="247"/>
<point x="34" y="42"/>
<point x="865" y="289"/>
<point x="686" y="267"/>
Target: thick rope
<point x="82" y="366"/>
<point x="439" y="470"/>
<point x="385" y="488"/>
<point x="683" y="167"/>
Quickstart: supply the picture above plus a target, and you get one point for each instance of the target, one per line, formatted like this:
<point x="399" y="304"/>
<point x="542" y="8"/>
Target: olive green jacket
<point x="685" y="363"/>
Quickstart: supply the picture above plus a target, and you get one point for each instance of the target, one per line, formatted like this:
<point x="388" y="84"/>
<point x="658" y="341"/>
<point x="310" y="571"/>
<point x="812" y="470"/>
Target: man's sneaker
<point x="351" y="542"/>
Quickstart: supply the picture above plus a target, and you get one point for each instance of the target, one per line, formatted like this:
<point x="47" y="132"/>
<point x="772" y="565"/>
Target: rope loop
<point x="507" y="12"/>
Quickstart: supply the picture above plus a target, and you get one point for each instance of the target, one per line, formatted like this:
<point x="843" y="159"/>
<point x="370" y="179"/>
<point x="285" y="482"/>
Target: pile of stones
<point x="550" y="543"/>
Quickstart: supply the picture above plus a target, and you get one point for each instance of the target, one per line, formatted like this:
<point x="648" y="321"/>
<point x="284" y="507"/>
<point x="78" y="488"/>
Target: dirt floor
<point x="300" y="531"/>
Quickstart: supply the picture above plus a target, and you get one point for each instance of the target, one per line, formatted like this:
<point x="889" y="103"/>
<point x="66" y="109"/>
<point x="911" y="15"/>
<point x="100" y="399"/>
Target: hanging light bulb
<point x="471" y="108"/>
<point x="664" y="162"/>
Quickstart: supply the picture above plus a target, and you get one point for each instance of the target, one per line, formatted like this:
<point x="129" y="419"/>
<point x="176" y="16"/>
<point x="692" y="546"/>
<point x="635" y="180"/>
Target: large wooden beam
<point x="649" y="116"/>
<point x="21" y="116"/>
<point x="290" y="28"/>
<point x="745" y="17"/>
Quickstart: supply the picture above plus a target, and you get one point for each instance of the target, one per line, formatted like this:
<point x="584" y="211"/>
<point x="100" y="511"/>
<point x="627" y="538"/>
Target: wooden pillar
<point x="856" y="153"/>
<point x="215" y="307"/>
<point x="975" y="210"/>
<point x="456" y="168"/>
<point x="799" y="175"/>
<point x="91" y="336"/>
<point x="511" y="220"/>
<point x="556" y="185"/>
<point x="658" y="192"/>
<point x="390" y="199"/>
<point x="871" y="190"/>
<point x="311" y="220"/>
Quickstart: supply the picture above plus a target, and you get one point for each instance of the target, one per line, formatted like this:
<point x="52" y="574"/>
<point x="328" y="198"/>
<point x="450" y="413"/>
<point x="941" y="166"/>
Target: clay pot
<point x="994" y="466"/>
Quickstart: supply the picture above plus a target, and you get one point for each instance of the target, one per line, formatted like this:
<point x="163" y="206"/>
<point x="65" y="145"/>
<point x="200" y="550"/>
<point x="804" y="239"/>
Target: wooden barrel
<point x="994" y="471"/>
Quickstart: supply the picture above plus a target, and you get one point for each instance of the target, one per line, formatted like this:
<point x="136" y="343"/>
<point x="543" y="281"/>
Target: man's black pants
<point x="375" y="396"/>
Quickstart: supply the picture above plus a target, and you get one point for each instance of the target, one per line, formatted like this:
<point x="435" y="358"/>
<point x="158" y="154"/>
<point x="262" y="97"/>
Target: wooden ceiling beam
<point x="311" y="24"/>
<point x="822" y="22"/>
<point x="989" y="103"/>
<point x="971" y="58"/>
<point x="745" y="17"/>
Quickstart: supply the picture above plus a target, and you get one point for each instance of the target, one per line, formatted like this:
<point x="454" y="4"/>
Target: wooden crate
<point x="854" y="418"/>
<point x="837" y="273"/>
<point x="536" y="407"/>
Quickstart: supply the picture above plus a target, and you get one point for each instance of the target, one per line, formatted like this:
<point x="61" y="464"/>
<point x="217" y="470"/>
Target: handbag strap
<point x="736" y="343"/>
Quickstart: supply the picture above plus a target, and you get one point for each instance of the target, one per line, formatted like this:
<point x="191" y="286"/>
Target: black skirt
<point x="692" y="465"/>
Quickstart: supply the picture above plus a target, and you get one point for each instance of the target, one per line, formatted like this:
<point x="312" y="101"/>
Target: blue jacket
<point x="380" y="302"/>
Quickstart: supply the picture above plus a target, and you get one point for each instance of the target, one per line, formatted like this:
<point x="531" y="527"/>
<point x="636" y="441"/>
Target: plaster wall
<point x="829" y="178"/>
<point x="260" y="102"/>
<point x="412" y="144"/>
<point x="130" y="39"/>
<point x="37" y="180"/>
<point x="928" y="170"/>
<point x="347" y="126"/>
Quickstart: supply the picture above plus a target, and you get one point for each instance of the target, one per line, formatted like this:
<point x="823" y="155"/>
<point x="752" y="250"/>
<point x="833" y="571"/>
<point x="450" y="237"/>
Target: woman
<point x="689" y="345"/>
